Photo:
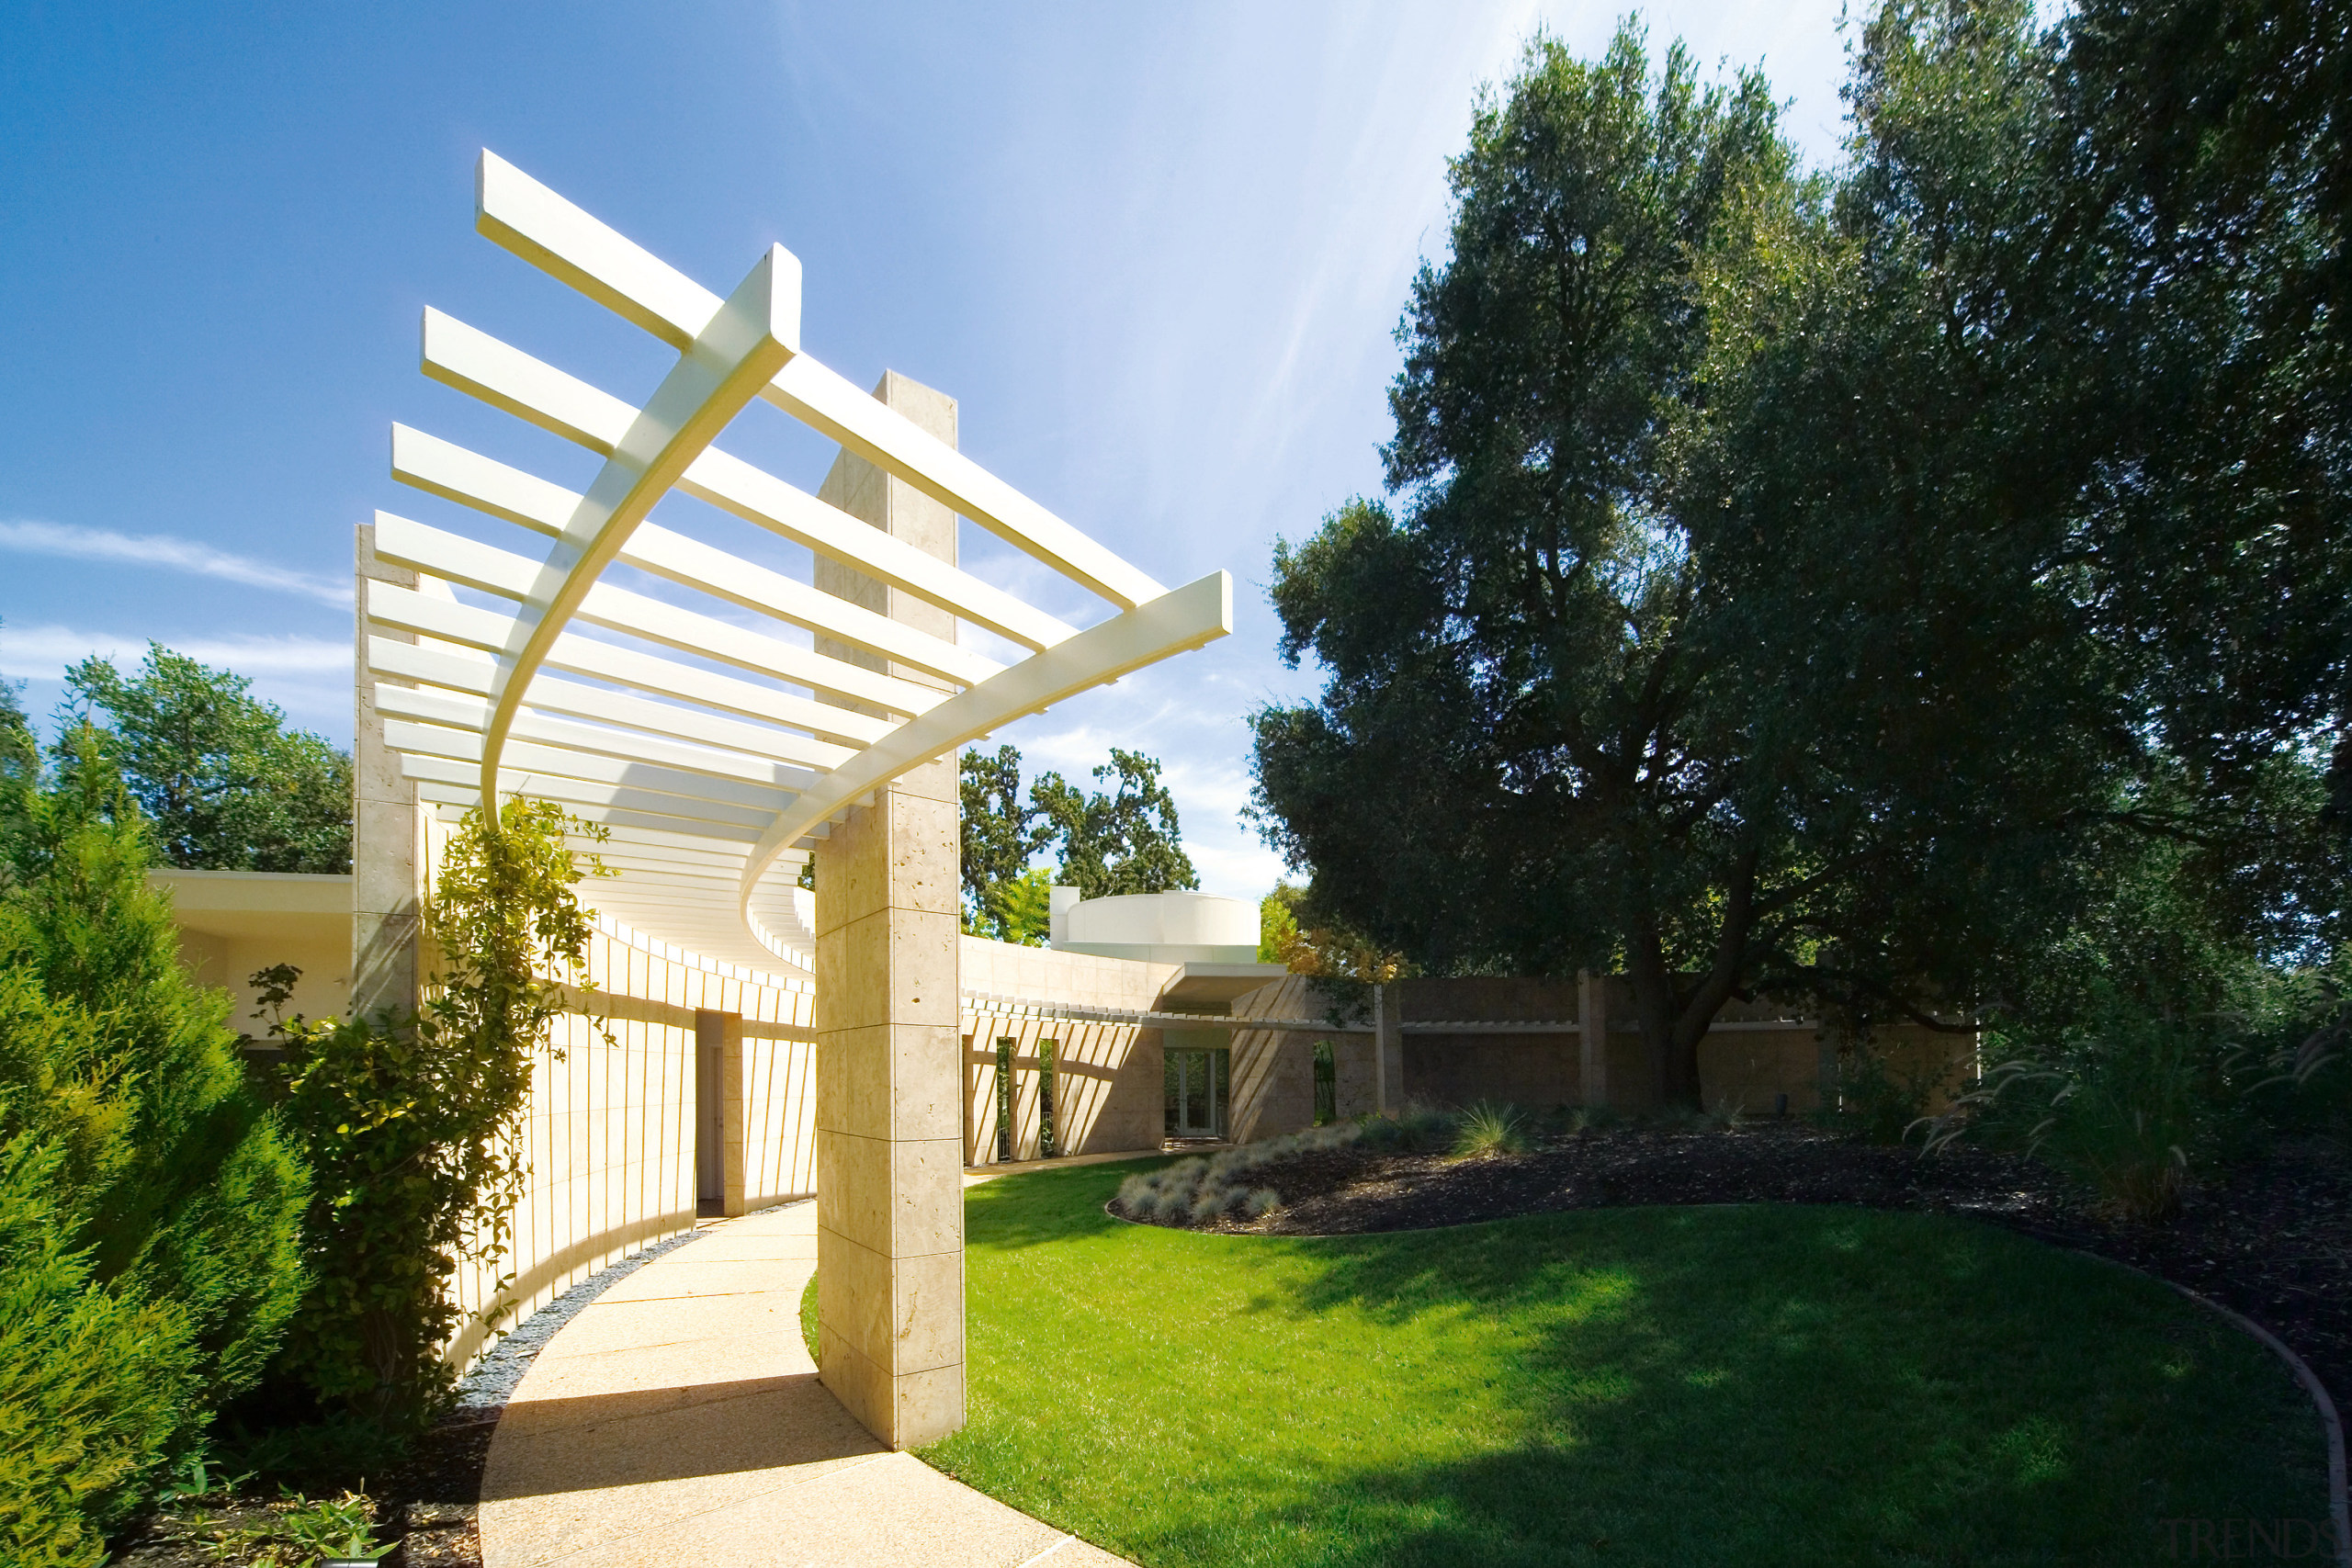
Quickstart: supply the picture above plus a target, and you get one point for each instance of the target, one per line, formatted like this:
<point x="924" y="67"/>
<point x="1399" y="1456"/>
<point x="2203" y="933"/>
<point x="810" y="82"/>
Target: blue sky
<point x="1158" y="253"/>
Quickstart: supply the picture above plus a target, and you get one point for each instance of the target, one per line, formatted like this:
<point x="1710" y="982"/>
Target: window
<point x="1004" y="1100"/>
<point x="1048" y="1129"/>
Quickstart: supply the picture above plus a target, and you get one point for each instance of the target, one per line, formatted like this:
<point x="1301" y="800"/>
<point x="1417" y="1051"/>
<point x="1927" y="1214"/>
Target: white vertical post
<point x="386" y="860"/>
<point x="1592" y="1037"/>
<point x="1388" y="1050"/>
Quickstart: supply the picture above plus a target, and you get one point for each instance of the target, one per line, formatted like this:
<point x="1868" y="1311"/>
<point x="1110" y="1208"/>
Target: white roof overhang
<point x="712" y="782"/>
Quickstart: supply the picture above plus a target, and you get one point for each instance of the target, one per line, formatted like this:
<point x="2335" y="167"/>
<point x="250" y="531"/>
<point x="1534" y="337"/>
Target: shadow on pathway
<point x="678" y="1419"/>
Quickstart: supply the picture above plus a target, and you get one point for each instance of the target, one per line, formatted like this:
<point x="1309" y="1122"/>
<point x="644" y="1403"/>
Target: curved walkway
<point x="678" y="1419"/>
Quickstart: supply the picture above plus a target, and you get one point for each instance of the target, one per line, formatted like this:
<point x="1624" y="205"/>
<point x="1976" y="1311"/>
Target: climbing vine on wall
<point x="415" y="1126"/>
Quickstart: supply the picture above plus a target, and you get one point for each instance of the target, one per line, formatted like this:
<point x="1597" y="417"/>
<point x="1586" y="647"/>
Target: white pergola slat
<point x="707" y="735"/>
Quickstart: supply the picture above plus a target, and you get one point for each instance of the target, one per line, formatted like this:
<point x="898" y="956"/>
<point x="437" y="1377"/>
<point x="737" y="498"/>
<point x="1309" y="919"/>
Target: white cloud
<point x="72" y="542"/>
<point x="42" y="652"/>
<point x="308" y="677"/>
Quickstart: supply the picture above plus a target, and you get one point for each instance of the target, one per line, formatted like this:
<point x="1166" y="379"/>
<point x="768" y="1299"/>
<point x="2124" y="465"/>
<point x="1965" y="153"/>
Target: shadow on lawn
<point x="1931" y="1390"/>
<point x="1748" y="1385"/>
<point x="1037" y="1207"/>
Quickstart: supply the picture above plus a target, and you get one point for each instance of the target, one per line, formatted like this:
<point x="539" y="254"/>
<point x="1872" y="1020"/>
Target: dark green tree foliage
<point x="2191" y="299"/>
<point x="226" y="784"/>
<point x="163" y="1229"/>
<point x="1867" y="587"/>
<point x="1000" y="830"/>
<point x="1525" y="756"/>
<point x="1127" y="840"/>
<point x="1934" y="726"/>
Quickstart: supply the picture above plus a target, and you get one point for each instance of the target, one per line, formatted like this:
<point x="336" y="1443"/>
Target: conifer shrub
<point x="150" y="1202"/>
<point x="93" y="1382"/>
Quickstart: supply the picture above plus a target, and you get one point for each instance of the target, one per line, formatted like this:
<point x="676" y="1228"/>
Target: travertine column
<point x="735" y="1113"/>
<point x="889" y="1107"/>
<point x="387" y="854"/>
<point x="1592" y="1038"/>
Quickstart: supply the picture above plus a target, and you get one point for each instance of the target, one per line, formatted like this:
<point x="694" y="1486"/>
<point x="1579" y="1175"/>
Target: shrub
<point x="1486" y="1128"/>
<point x="151" y="1270"/>
<point x="2136" y="1109"/>
<point x="1592" y="1118"/>
<point x="1205" y="1187"/>
<point x="1416" y="1128"/>
<point x="95" y="1384"/>
<point x="414" y="1127"/>
<point x="1875" y="1101"/>
<point x="2129" y="1112"/>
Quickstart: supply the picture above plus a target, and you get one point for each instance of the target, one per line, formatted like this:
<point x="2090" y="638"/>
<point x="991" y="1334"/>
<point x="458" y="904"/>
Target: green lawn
<point x="1677" y="1386"/>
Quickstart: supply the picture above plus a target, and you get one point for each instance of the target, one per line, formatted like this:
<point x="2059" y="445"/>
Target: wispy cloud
<point x="71" y="542"/>
<point x="42" y="652"/>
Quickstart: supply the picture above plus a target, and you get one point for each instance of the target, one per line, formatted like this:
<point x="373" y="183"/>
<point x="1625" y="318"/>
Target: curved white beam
<point x="453" y="557"/>
<point x="1174" y="623"/>
<point x="745" y="341"/>
<point x="705" y="780"/>
<point x="455" y="474"/>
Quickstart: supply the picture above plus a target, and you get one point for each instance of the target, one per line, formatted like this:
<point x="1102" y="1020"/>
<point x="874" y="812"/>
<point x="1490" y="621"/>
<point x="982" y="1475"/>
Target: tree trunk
<point x="1654" y="1007"/>
<point x="1671" y="1032"/>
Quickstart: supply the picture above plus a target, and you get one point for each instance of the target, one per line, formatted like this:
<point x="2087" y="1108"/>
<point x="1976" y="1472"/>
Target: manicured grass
<point x="1677" y="1386"/>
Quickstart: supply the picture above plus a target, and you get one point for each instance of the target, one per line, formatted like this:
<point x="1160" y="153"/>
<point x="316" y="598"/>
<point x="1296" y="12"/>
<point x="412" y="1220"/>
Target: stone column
<point x="387" y="850"/>
<point x="1388" y="1049"/>
<point x="889" y="1099"/>
<point x="1592" y="1037"/>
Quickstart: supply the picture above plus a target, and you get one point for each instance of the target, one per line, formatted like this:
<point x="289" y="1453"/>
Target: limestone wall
<point x="611" y="1124"/>
<point x="1757" y="1052"/>
<point x="1107" y="1075"/>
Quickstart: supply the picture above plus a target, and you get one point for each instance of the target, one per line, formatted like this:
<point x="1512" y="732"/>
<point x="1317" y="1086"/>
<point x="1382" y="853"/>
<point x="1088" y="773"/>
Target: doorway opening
<point x="1050" y="1143"/>
<point x="1196" y="1091"/>
<point x="710" y="1127"/>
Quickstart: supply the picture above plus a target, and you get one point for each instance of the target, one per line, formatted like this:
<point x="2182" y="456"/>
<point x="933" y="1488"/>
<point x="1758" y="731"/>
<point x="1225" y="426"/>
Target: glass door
<point x="1196" y="1091"/>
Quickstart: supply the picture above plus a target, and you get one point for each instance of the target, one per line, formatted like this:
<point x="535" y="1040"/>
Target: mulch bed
<point x="427" y="1503"/>
<point x="2271" y="1239"/>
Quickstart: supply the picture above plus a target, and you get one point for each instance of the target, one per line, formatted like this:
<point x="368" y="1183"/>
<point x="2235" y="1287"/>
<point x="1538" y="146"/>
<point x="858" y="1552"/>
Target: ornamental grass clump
<point x="1418" y="1128"/>
<point x="1208" y="1187"/>
<point x="1490" y="1129"/>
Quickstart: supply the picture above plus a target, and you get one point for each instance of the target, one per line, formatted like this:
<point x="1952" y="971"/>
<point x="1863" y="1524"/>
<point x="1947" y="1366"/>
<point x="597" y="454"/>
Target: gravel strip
<point x="486" y="1388"/>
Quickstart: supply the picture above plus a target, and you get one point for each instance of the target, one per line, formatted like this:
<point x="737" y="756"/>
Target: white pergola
<point x="713" y="743"/>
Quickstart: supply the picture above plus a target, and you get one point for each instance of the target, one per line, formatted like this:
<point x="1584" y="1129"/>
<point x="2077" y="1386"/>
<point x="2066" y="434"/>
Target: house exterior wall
<point x="1757" y="1051"/>
<point x="1273" y="1070"/>
<point x="1107" y="1075"/>
<point x="322" y="954"/>
<point x="232" y="923"/>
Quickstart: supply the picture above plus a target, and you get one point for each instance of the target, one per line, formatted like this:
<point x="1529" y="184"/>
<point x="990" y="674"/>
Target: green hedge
<point x="149" y="1204"/>
<point x="93" y="1383"/>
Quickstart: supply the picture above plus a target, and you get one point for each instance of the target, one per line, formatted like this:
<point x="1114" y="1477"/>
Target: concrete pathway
<point x="678" y="1419"/>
